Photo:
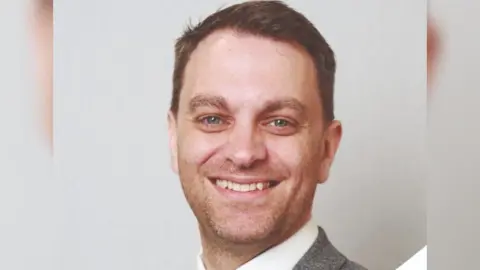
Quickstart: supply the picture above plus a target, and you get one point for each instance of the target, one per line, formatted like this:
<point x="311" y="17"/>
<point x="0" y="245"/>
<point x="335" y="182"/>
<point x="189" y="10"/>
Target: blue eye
<point x="279" y="123"/>
<point x="212" y="120"/>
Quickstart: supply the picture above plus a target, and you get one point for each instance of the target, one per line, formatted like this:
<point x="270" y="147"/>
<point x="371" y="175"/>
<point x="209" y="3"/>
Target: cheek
<point x="197" y="147"/>
<point x="301" y="155"/>
<point x="291" y="152"/>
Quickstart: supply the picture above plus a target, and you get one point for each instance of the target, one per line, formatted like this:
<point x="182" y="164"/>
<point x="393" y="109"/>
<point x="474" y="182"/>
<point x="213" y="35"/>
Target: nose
<point x="246" y="147"/>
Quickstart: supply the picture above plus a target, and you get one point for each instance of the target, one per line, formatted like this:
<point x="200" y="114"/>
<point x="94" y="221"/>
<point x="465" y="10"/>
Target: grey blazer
<point x="322" y="255"/>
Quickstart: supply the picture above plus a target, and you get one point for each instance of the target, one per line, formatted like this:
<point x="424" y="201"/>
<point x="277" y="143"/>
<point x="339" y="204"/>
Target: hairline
<point x="246" y="33"/>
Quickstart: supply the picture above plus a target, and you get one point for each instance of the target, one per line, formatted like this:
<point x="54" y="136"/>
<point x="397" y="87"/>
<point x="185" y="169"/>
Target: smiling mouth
<point x="244" y="187"/>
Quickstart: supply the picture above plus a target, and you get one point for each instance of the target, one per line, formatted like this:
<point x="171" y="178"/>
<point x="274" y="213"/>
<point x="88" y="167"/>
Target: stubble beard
<point x="260" y="225"/>
<point x="262" y="230"/>
<point x="253" y="228"/>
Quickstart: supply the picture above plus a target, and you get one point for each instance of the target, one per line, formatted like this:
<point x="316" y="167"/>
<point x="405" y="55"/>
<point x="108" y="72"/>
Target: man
<point x="252" y="133"/>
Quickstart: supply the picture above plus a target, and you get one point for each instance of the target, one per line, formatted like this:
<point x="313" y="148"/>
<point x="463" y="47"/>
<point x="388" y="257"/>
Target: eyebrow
<point x="207" y="101"/>
<point x="220" y="103"/>
<point x="288" y="103"/>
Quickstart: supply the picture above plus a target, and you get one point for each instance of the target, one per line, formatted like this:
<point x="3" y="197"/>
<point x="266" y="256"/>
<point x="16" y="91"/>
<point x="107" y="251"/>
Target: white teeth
<point x="260" y="186"/>
<point x="236" y="187"/>
<point x="241" y="187"/>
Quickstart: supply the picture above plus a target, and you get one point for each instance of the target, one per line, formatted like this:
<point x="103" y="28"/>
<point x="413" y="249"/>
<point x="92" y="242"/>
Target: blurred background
<point x="29" y="196"/>
<point x="453" y="138"/>
<point x="107" y="199"/>
<point x="125" y="208"/>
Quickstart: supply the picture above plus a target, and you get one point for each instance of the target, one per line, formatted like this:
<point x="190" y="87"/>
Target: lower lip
<point x="238" y="195"/>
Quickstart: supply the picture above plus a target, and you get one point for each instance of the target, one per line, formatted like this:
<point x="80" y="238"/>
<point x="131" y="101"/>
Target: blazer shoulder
<point x="350" y="265"/>
<point x="322" y="255"/>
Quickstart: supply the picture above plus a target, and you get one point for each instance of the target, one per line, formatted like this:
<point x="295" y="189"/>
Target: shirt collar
<point x="284" y="256"/>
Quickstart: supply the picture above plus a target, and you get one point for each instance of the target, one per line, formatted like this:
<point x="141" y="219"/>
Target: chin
<point x="241" y="232"/>
<point x="239" y="236"/>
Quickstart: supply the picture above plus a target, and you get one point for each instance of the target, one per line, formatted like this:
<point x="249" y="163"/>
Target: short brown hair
<point x="271" y="19"/>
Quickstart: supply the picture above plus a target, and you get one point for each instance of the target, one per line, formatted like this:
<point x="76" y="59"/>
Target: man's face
<point x="249" y="142"/>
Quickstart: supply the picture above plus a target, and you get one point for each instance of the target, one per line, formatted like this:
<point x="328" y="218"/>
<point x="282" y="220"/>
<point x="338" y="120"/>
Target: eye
<point x="211" y="120"/>
<point x="279" y="123"/>
<point x="212" y="123"/>
<point x="282" y="127"/>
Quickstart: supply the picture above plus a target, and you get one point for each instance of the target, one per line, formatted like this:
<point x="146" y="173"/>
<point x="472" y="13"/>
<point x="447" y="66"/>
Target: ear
<point x="172" y="135"/>
<point x="329" y="147"/>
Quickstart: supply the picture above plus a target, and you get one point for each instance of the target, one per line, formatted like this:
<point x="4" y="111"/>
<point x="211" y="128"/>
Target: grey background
<point x="123" y="207"/>
<point x="29" y="195"/>
<point x="454" y="132"/>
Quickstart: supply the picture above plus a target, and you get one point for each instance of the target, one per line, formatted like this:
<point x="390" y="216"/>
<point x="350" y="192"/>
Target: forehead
<point x="246" y="68"/>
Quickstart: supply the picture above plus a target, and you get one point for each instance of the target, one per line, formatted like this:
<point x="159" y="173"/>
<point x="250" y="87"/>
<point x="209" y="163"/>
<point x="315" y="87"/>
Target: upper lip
<point x="241" y="179"/>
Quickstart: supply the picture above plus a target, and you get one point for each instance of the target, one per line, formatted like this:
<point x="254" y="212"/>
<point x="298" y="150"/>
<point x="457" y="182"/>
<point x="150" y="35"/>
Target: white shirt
<point x="284" y="256"/>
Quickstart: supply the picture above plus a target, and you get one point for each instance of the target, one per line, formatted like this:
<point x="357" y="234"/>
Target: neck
<point x="220" y="254"/>
<point x="225" y="256"/>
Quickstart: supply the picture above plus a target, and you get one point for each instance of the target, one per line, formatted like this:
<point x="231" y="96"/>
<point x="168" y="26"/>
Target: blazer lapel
<point x="322" y="255"/>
